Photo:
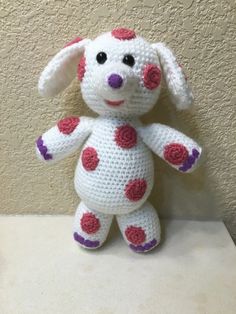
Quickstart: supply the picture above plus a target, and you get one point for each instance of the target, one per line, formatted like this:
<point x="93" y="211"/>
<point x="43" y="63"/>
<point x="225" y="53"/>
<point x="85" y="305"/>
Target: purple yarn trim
<point x="43" y="149"/>
<point x="190" y="161"/>
<point x="84" y="242"/>
<point x="143" y="248"/>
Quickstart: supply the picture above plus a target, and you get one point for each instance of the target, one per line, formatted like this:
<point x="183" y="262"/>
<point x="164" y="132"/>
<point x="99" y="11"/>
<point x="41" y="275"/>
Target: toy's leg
<point x="90" y="227"/>
<point x="141" y="228"/>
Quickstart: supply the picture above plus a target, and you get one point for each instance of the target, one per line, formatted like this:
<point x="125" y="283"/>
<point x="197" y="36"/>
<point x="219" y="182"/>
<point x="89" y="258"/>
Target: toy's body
<point x="115" y="173"/>
<point x="122" y="157"/>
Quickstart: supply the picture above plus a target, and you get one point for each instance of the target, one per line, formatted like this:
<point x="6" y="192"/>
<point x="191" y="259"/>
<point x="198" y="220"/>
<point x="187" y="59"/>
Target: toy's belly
<point x="114" y="179"/>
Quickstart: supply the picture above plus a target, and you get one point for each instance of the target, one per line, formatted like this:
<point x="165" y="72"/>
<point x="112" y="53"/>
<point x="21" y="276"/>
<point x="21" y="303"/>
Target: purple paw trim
<point x="144" y="248"/>
<point x="84" y="242"/>
<point x="43" y="149"/>
<point x="190" y="161"/>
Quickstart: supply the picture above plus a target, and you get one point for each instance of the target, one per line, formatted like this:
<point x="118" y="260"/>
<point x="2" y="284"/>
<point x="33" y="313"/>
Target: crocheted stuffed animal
<point x="120" y="75"/>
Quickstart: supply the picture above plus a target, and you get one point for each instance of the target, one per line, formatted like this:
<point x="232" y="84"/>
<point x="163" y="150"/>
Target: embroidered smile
<point x="115" y="103"/>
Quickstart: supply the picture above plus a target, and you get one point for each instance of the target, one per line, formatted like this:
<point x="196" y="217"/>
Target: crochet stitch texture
<point x="120" y="75"/>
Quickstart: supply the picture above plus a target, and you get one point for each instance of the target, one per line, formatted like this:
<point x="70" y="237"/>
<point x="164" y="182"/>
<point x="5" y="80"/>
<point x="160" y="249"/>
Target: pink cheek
<point x="81" y="68"/>
<point x="151" y="76"/>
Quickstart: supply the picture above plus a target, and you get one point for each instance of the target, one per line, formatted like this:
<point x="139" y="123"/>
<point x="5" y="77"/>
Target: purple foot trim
<point x="84" y="242"/>
<point x="43" y="149"/>
<point x="144" y="248"/>
<point x="190" y="161"/>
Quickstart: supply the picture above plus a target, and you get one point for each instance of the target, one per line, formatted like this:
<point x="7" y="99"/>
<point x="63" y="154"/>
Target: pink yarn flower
<point x="135" y="189"/>
<point x="90" y="158"/>
<point x="175" y="153"/>
<point x="126" y="136"/>
<point x="67" y="125"/>
<point x="89" y="223"/>
<point x="123" y="33"/>
<point x="135" y="235"/>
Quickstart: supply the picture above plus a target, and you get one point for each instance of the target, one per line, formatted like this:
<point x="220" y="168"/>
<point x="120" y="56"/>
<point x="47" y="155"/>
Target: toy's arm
<point x="180" y="151"/>
<point x="64" y="138"/>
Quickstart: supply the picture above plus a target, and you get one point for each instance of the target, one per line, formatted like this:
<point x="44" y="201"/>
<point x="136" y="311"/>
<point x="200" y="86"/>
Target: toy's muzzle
<point x="115" y="82"/>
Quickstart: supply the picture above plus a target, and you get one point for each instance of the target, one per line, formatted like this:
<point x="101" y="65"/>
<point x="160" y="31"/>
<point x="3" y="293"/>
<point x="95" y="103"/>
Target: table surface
<point x="43" y="271"/>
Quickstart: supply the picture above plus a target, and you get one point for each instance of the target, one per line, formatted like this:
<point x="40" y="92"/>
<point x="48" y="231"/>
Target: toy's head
<point x="120" y="73"/>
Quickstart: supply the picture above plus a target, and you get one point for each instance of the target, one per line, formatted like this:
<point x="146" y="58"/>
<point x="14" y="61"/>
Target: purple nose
<point x="115" y="81"/>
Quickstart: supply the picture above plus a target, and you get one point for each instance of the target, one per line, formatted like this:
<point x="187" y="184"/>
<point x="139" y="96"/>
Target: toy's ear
<point x="180" y="92"/>
<point x="61" y="70"/>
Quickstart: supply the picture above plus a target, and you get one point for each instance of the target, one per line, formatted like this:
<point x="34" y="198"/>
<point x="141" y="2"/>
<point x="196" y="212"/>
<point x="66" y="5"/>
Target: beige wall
<point x="202" y="33"/>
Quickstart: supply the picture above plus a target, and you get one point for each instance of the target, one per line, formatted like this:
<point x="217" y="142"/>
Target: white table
<point x="43" y="271"/>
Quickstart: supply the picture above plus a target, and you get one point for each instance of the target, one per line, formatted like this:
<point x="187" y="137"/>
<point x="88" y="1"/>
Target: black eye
<point x="129" y="60"/>
<point x="101" y="57"/>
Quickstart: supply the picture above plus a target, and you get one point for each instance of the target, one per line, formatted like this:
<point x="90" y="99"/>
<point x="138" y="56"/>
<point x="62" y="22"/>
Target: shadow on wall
<point x="176" y="194"/>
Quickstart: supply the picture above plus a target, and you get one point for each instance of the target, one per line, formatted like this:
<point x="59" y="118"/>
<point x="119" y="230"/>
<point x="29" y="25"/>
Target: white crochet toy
<point x="120" y="75"/>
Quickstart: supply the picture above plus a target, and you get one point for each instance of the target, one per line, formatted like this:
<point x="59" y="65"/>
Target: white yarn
<point x="180" y="92"/>
<point x="116" y="177"/>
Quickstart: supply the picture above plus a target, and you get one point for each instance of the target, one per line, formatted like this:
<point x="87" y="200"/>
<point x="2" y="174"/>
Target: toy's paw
<point x="181" y="157"/>
<point x="86" y="243"/>
<point x="144" y="247"/>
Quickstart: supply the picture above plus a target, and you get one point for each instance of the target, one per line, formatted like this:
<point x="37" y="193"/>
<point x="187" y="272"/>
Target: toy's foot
<point x="90" y="227"/>
<point x="141" y="228"/>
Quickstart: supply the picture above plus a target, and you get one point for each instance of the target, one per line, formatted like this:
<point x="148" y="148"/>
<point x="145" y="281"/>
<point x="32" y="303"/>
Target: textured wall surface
<point x="203" y="35"/>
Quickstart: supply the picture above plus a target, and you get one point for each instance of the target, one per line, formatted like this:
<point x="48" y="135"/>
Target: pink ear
<point x="61" y="70"/>
<point x="74" y="41"/>
<point x="81" y="65"/>
<point x="151" y="76"/>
